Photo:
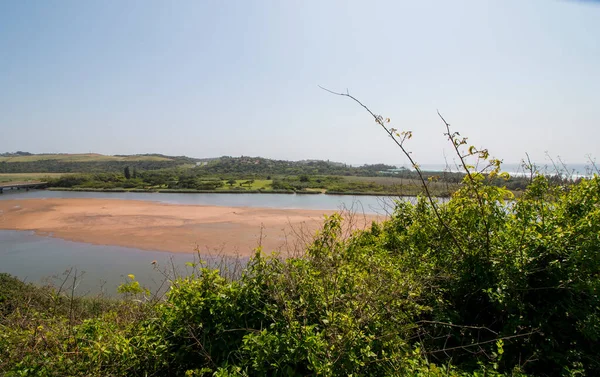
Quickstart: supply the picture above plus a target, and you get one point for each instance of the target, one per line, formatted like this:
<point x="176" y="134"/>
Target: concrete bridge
<point x="21" y="185"/>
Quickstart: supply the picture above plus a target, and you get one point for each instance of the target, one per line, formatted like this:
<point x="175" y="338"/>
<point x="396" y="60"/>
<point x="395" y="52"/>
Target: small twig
<point x="593" y="162"/>
<point x="531" y="167"/>
<point x="262" y="236"/>
<point x="458" y="326"/>
<point x="203" y="350"/>
<point x="471" y="179"/>
<point x="556" y="168"/>
<point x="568" y="175"/>
<point x="480" y="343"/>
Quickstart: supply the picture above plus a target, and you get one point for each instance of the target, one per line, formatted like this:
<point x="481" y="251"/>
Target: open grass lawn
<point x="384" y="181"/>
<point x="404" y="186"/>
<point x="28" y="177"/>
<point x="85" y="157"/>
<point x="258" y="184"/>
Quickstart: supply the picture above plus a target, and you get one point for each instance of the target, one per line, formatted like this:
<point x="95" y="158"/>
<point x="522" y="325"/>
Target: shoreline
<point x="148" y="225"/>
<point x="283" y="192"/>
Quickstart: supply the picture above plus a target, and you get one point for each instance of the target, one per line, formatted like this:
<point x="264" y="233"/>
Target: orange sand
<point x="164" y="227"/>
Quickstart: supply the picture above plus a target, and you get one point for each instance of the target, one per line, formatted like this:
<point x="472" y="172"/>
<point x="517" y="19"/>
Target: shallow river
<point x="39" y="259"/>
<point x="366" y="204"/>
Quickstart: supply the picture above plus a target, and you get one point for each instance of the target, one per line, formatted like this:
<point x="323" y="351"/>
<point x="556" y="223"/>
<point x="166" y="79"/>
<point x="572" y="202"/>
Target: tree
<point x="127" y="173"/>
<point x="231" y="182"/>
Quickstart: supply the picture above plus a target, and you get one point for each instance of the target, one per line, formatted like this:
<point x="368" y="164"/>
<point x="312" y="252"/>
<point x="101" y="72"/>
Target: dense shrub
<point x="524" y="271"/>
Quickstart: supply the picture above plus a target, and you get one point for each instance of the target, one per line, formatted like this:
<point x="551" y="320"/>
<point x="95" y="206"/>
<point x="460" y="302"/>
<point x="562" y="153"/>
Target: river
<point x="363" y="203"/>
<point x="39" y="259"/>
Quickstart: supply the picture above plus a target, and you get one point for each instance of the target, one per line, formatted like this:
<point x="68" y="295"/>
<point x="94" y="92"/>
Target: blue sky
<point x="212" y="78"/>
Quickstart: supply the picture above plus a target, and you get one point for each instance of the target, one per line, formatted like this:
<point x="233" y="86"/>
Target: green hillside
<point x="81" y="157"/>
<point x="24" y="162"/>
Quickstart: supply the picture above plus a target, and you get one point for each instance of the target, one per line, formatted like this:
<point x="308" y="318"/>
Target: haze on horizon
<point x="206" y="79"/>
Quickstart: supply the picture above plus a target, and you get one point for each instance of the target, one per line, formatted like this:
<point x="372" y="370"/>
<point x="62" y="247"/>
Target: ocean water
<point x="572" y="170"/>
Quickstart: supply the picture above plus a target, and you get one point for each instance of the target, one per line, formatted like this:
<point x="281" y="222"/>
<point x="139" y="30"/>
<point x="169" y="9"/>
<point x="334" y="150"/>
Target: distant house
<point x="394" y="171"/>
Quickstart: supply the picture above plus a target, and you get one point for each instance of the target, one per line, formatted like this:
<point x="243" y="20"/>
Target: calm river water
<point x="367" y="204"/>
<point x="39" y="259"/>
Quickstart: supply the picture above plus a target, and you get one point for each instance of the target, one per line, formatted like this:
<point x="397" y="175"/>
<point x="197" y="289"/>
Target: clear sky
<point x="207" y="78"/>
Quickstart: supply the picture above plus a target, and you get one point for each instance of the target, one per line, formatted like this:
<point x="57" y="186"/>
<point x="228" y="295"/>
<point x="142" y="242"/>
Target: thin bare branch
<point x="399" y="143"/>
<point x="452" y="139"/>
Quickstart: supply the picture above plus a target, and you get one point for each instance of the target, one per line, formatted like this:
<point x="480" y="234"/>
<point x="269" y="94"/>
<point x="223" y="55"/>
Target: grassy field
<point x="404" y="186"/>
<point x="28" y="177"/>
<point x="85" y="157"/>
<point x="258" y="184"/>
<point x="384" y="181"/>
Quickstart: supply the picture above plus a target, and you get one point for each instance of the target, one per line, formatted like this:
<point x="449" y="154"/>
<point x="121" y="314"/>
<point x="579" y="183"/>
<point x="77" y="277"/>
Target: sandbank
<point x="167" y="227"/>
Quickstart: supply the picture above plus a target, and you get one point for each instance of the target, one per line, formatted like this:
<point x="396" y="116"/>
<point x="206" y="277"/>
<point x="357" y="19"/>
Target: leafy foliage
<point x="263" y="166"/>
<point x="514" y="293"/>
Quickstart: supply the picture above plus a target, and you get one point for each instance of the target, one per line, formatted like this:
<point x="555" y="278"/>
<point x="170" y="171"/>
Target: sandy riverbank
<point x="164" y="227"/>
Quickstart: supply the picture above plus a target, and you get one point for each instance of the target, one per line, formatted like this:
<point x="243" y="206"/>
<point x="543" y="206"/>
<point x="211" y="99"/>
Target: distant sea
<point x="574" y="170"/>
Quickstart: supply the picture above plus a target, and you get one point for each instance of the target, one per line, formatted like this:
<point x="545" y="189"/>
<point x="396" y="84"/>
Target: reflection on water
<point x="37" y="259"/>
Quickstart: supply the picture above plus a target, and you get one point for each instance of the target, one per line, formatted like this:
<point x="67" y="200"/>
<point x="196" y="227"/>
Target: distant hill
<point x="260" y="165"/>
<point x="88" y="157"/>
<point x="24" y="162"/>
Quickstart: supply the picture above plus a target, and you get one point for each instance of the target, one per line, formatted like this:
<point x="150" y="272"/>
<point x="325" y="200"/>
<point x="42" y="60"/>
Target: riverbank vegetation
<point x="401" y="183"/>
<point x="193" y="181"/>
<point x="183" y="181"/>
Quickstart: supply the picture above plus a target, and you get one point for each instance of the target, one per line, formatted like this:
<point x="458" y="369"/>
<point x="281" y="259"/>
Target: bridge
<point x="21" y="185"/>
